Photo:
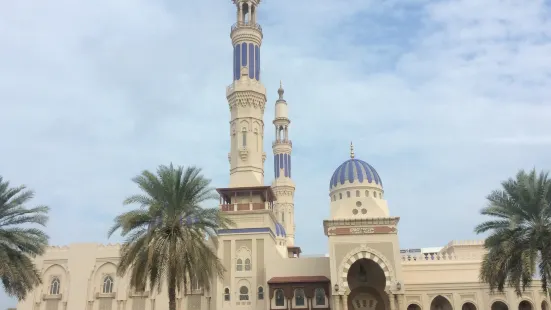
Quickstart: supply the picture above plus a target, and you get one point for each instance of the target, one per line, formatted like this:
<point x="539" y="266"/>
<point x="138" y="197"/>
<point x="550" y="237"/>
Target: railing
<point x="430" y="257"/>
<point x="244" y="206"/>
<point x="282" y="141"/>
<point x="246" y="25"/>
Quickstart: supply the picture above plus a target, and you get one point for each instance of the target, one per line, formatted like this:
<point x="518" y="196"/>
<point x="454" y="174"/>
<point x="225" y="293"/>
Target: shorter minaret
<point x="283" y="186"/>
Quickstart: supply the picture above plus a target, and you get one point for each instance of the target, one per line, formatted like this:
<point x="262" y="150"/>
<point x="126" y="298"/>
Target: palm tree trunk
<point x="172" y="293"/>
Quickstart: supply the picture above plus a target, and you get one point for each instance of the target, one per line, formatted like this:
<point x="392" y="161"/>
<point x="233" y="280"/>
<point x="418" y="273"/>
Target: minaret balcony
<point x="282" y="142"/>
<point x="246" y="25"/>
<point x="251" y="206"/>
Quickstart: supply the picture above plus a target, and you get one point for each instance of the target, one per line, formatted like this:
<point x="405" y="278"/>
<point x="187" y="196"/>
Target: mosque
<point x="364" y="270"/>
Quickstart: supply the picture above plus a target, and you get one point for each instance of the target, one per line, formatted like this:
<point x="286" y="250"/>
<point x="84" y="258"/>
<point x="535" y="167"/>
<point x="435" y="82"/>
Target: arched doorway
<point x="525" y="305"/>
<point x="468" y="306"/>
<point x="366" y="281"/>
<point x="544" y="305"/>
<point x="414" y="307"/>
<point x="499" y="305"/>
<point x="440" y="303"/>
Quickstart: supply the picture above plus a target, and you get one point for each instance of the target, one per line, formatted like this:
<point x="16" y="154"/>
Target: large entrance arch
<point x="367" y="253"/>
<point x="367" y="282"/>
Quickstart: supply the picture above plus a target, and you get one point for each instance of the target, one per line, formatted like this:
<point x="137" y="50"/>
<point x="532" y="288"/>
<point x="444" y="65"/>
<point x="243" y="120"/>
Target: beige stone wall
<point x="81" y="269"/>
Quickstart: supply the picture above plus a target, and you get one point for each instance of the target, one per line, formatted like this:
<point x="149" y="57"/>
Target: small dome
<point x="280" y="231"/>
<point x="355" y="170"/>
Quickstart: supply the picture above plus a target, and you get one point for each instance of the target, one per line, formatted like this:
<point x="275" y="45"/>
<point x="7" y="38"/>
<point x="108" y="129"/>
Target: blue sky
<point x="444" y="98"/>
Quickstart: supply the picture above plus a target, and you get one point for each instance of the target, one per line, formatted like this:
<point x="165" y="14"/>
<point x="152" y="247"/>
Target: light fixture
<point x="336" y="287"/>
<point x="398" y="286"/>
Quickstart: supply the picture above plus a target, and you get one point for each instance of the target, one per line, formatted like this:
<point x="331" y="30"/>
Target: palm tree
<point x="166" y="236"/>
<point x="520" y="233"/>
<point x="19" y="243"/>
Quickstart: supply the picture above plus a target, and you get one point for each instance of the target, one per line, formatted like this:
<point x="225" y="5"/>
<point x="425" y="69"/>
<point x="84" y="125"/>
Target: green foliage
<point x="166" y="236"/>
<point x="520" y="233"/>
<point x="18" y="242"/>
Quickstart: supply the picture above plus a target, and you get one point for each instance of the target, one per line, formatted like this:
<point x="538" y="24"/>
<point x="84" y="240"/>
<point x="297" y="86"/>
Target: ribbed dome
<point x="355" y="170"/>
<point x="280" y="231"/>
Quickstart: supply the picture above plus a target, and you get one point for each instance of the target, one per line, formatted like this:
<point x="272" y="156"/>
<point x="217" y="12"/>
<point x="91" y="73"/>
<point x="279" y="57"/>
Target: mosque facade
<point x="365" y="269"/>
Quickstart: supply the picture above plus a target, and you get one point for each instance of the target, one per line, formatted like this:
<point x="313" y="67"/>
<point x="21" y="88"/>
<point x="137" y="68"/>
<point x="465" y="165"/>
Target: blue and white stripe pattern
<point x="280" y="231"/>
<point x="355" y="170"/>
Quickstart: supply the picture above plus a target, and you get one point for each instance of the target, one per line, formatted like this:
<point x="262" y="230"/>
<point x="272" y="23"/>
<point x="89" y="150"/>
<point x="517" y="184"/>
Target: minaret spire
<point x="283" y="186"/>
<point x="351" y="150"/>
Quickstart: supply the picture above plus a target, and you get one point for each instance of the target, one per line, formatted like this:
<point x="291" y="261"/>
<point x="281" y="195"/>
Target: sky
<point x="444" y="98"/>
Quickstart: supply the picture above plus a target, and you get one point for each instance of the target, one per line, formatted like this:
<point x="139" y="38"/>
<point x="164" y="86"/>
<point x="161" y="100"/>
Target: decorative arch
<point x="544" y="305"/>
<point x="446" y="299"/>
<point x="498" y="301"/>
<point x="244" y="290"/>
<point x="99" y="273"/>
<point x="367" y="253"/>
<point x="528" y="301"/>
<point x="414" y="306"/>
<point x="244" y="254"/>
<point x="469" y="305"/>
<point x="62" y="275"/>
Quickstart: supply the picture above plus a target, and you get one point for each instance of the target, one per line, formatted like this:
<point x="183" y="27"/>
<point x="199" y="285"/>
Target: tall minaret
<point x="283" y="185"/>
<point x="247" y="99"/>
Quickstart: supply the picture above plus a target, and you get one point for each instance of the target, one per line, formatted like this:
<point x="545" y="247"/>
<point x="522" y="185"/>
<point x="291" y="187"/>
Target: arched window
<point x="299" y="297"/>
<point x="108" y="285"/>
<point x="247" y="264"/>
<point x="347" y="194"/>
<point x="55" y="286"/>
<point x="357" y="193"/>
<point x="282" y="217"/>
<point x="279" y="298"/>
<point x="366" y="193"/>
<point x="239" y="266"/>
<point x="227" y="294"/>
<point x="320" y="296"/>
<point x="243" y="293"/>
<point x="260" y="293"/>
<point x="340" y="195"/>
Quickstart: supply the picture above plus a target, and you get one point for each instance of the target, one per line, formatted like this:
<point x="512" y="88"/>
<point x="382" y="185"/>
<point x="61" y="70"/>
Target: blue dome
<point x="352" y="170"/>
<point x="280" y="231"/>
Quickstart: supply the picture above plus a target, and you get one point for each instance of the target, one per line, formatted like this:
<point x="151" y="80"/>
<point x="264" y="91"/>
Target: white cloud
<point x="436" y="95"/>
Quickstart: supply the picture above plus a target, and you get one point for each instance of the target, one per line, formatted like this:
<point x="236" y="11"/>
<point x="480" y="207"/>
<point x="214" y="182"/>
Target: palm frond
<point x="19" y="242"/>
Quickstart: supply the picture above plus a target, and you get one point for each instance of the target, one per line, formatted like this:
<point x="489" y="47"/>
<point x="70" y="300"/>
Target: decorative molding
<point x="337" y="231"/>
<point x="243" y="153"/>
<point x="249" y="98"/>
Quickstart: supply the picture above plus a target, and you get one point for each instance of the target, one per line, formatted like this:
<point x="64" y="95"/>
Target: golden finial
<point x="351" y="150"/>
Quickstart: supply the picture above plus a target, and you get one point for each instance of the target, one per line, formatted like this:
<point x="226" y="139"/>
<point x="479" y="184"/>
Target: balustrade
<point x="245" y="206"/>
<point x="246" y="25"/>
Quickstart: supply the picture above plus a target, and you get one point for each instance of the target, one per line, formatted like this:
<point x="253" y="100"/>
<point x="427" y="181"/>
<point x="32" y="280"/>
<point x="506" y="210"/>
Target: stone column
<point x="391" y="301"/>
<point x="401" y="301"/>
<point x="345" y="302"/>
